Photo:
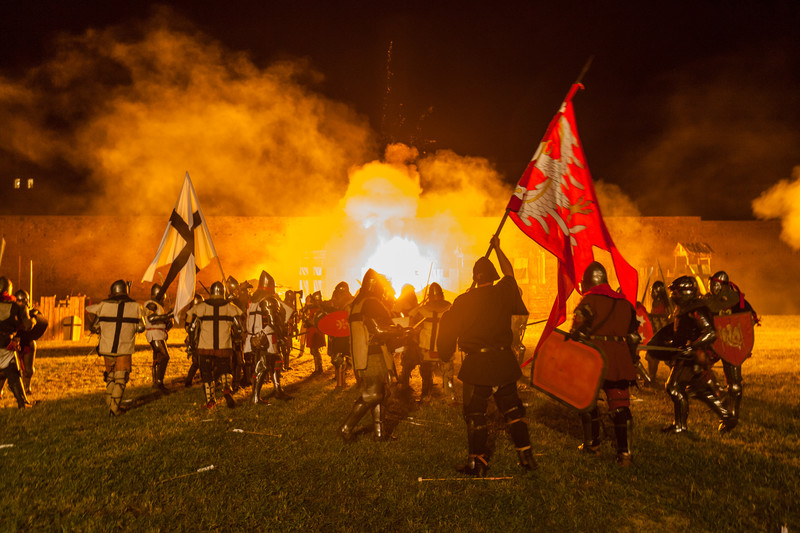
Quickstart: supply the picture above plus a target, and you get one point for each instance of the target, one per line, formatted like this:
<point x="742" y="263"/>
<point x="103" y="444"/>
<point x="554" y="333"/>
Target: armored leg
<point x="227" y="389"/>
<point x="623" y="429"/>
<point x="247" y="370"/>
<point x="475" y="404"/>
<point x="28" y="358"/>
<point x="676" y="391"/>
<point x="117" y="390"/>
<point x="15" y="385"/>
<point x="379" y="422"/>
<point x="207" y="375"/>
<point x="652" y="368"/>
<point x="708" y="396"/>
<point x="733" y="375"/>
<point x="359" y="409"/>
<point x="260" y="377"/>
<point x="513" y="410"/>
<point x="317" y="362"/>
<point x="276" y="382"/>
<point x="426" y="372"/>
<point x="590" y="422"/>
<point x="448" y="381"/>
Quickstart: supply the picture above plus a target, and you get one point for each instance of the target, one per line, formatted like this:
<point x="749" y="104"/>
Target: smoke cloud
<point x="782" y="201"/>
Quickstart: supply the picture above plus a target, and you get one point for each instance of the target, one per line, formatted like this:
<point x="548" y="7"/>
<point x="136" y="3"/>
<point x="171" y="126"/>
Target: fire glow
<point x="401" y="260"/>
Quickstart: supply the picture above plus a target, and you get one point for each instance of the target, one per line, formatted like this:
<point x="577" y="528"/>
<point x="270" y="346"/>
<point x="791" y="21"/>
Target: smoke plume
<point x="782" y="201"/>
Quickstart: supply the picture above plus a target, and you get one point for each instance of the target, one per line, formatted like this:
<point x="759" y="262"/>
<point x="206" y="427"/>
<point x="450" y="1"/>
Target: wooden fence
<point x="65" y="317"/>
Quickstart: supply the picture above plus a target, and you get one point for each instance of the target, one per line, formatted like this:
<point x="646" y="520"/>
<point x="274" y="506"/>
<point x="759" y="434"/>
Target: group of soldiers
<point x="238" y="337"/>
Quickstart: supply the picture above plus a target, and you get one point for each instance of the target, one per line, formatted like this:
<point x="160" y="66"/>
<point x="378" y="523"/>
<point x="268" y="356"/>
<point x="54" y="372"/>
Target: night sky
<point x="690" y="109"/>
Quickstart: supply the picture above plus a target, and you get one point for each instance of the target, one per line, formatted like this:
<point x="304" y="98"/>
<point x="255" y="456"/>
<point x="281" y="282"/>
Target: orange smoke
<point x="782" y="201"/>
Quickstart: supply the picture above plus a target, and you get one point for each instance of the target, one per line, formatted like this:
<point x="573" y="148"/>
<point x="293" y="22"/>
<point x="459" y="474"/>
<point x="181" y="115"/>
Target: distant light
<point x="17" y="183"/>
<point x="30" y="183"/>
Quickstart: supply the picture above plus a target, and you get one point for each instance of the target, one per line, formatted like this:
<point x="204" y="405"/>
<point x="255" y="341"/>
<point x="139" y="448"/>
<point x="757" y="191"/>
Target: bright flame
<point x="401" y="260"/>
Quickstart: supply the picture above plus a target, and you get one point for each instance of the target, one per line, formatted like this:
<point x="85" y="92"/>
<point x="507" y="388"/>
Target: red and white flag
<point x="555" y="205"/>
<point x="186" y="247"/>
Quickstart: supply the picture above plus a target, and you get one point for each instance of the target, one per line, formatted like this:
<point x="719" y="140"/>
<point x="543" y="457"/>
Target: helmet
<point x="156" y="292"/>
<point x="22" y="297"/>
<point x="198" y="299"/>
<point x="483" y="271"/>
<point x="684" y="290"/>
<point x="315" y="298"/>
<point x="5" y="285"/>
<point x="217" y="290"/>
<point x="435" y="292"/>
<point x="658" y="291"/>
<point x="716" y="282"/>
<point x="265" y="281"/>
<point x="343" y="287"/>
<point x="231" y="285"/>
<point x="594" y="275"/>
<point x="118" y="288"/>
<point x="289" y="297"/>
<point x="373" y="284"/>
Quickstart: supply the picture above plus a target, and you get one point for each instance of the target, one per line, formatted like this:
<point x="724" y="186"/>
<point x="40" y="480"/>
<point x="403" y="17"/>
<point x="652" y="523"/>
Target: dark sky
<point x="691" y="109"/>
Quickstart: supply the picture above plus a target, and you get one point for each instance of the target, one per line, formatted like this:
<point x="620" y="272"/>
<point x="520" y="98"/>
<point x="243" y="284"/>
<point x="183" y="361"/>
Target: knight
<point x="157" y="322"/>
<point x="372" y="337"/>
<point x="265" y="333"/>
<point x="692" y="335"/>
<point x="213" y="322"/>
<point x="117" y="320"/>
<point x="239" y="294"/>
<point x="27" y="339"/>
<point x="339" y="347"/>
<point x="429" y="314"/>
<point x="659" y="315"/>
<point x="13" y="319"/>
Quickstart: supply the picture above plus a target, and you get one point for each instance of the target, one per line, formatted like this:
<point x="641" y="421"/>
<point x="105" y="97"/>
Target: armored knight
<point x="312" y="313"/>
<point x="479" y="322"/>
<point x="339" y="347"/>
<point x="659" y="315"/>
<point x="693" y="334"/>
<point x="213" y="322"/>
<point x="265" y="333"/>
<point x="191" y="343"/>
<point x="117" y="321"/>
<point x="239" y="294"/>
<point x="157" y="323"/>
<point x="372" y="334"/>
<point x="13" y="320"/>
<point x="607" y="320"/>
<point x="430" y="314"/>
<point x="725" y="298"/>
<point x="27" y="340"/>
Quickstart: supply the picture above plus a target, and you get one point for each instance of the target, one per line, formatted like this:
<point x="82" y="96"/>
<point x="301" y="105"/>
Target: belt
<point x="606" y="338"/>
<point x="499" y="349"/>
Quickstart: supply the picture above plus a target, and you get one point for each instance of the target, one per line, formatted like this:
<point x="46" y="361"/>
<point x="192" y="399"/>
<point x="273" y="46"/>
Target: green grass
<point x="71" y="468"/>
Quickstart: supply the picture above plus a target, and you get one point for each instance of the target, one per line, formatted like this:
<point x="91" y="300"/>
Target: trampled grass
<point x="65" y="466"/>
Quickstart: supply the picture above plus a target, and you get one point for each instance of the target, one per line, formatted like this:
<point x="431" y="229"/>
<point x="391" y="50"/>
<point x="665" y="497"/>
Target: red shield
<point x="335" y="324"/>
<point x="645" y="326"/>
<point x="569" y="371"/>
<point x="735" y="337"/>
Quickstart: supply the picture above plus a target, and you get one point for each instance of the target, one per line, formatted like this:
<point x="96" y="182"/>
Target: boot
<point x="208" y="390"/>
<point x="734" y="401"/>
<point x="526" y="460"/>
<point x="117" y="390"/>
<point x="476" y="465"/>
<point x="623" y="429"/>
<point x="193" y="368"/>
<point x="590" y="422"/>
<point x="26" y="384"/>
<point x="317" y="363"/>
<point x="358" y="410"/>
<point x="680" y="424"/>
<point x="379" y="423"/>
<point x="340" y="377"/>
<point x="276" y="381"/>
<point x="227" y="390"/>
<point x="709" y="397"/>
<point x="16" y="389"/>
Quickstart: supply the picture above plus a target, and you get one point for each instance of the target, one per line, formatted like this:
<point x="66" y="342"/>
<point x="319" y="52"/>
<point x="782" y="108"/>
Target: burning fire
<point x="401" y="260"/>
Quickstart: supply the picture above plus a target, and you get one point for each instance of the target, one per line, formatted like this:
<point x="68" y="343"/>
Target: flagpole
<point x="220" y="269"/>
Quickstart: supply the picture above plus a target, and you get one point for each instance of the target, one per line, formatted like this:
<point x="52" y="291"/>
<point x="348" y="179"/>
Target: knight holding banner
<point x="692" y="336"/>
<point x="213" y="322"/>
<point x="373" y="337"/>
<point x="117" y="321"/>
<point x="605" y="319"/>
<point x="157" y="323"/>
<point x="266" y="332"/>
<point x="479" y="322"/>
<point x="726" y="302"/>
<point x="13" y="320"/>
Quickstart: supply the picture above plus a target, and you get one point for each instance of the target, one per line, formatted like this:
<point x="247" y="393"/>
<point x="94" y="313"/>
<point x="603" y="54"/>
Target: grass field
<point x="64" y="465"/>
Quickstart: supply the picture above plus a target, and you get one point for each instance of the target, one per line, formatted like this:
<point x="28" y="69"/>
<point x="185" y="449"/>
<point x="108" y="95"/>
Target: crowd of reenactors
<point x="240" y="336"/>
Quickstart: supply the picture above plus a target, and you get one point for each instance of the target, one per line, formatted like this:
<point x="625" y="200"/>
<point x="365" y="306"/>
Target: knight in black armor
<point x="373" y="336"/>
<point x="659" y="315"/>
<point x="693" y="334"/>
<point x="339" y="347"/>
<point x="604" y="318"/>
<point x="239" y="294"/>
<point x="14" y="319"/>
<point x="479" y="322"/>
<point x="157" y="322"/>
<point x="725" y="298"/>
<point x="410" y="354"/>
<point x="266" y="333"/>
<point x="27" y="340"/>
<point x="430" y="314"/>
<point x="117" y="321"/>
<point x="213" y="322"/>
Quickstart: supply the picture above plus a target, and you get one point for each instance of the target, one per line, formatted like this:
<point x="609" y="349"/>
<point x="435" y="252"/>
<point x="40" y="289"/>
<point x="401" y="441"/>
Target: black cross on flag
<point x="186" y="247"/>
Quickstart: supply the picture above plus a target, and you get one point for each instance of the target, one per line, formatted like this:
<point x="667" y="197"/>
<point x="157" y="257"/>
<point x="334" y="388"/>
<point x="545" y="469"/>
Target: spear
<point x="199" y="470"/>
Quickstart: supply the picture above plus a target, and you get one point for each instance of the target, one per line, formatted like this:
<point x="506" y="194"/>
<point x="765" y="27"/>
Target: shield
<point x="645" y="326"/>
<point x="335" y="324"/>
<point x="569" y="371"/>
<point x="735" y="337"/>
<point x="37" y="331"/>
<point x="664" y="339"/>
